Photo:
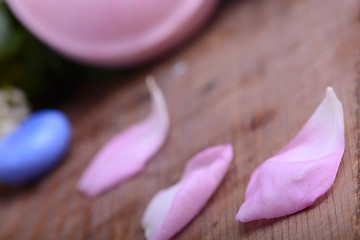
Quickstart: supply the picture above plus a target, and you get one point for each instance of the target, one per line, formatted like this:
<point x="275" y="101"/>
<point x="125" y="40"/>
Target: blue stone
<point x="34" y="148"/>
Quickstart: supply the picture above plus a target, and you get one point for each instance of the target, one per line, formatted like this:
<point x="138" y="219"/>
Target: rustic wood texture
<point x="254" y="76"/>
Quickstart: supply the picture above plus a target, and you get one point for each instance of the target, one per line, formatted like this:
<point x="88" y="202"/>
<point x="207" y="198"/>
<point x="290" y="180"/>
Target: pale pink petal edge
<point x="322" y="169"/>
<point x="103" y="173"/>
<point x="200" y="181"/>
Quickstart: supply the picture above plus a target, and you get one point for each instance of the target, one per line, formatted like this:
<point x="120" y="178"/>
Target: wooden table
<point x="253" y="77"/>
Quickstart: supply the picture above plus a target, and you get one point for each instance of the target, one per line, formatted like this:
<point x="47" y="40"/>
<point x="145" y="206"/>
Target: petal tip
<point x="228" y="150"/>
<point x="242" y="215"/>
<point x="150" y="81"/>
<point x="240" y="218"/>
<point x="331" y="93"/>
<point x="85" y="190"/>
<point x="228" y="145"/>
<point x="329" y="89"/>
<point x="332" y="100"/>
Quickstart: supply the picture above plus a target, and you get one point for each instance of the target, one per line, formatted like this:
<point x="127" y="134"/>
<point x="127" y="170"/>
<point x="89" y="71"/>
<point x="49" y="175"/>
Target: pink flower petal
<point x="127" y="153"/>
<point x="302" y="171"/>
<point x="173" y="208"/>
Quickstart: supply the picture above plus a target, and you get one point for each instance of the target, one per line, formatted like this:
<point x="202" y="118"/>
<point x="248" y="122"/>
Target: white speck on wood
<point x="179" y="68"/>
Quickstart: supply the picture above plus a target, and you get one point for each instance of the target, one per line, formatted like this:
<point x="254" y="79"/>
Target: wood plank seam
<point x="357" y="151"/>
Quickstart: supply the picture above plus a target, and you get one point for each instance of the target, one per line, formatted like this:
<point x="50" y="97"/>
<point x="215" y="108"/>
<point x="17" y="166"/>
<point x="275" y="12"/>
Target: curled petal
<point x="302" y="171"/>
<point x="173" y="208"/>
<point x="127" y="153"/>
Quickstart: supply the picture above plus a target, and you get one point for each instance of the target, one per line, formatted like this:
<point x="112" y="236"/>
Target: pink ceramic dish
<point x="112" y="33"/>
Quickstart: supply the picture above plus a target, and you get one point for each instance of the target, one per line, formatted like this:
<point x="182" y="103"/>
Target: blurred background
<point x="44" y="68"/>
<point x="246" y="72"/>
<point x="43" y="74"/>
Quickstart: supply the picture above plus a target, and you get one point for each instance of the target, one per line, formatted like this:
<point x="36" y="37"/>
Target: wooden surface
<point x="254" y="76"/>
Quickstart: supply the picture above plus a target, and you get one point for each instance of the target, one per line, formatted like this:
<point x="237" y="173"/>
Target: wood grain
<point x="254" y="76"/>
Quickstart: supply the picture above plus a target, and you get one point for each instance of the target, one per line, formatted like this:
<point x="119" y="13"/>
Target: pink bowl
<point x="112" y="32"/>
